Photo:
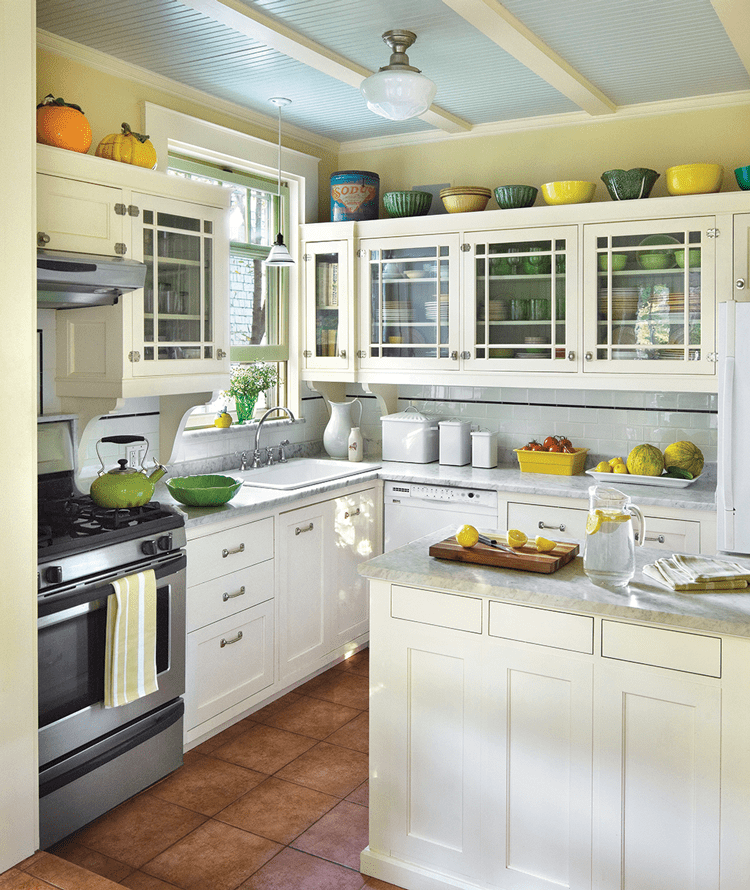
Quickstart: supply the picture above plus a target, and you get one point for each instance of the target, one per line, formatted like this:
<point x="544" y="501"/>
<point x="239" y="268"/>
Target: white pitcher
<point x="336" y="434"/>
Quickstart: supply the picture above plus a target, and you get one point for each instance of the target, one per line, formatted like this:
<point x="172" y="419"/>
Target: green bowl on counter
<point x="203" y="491"/>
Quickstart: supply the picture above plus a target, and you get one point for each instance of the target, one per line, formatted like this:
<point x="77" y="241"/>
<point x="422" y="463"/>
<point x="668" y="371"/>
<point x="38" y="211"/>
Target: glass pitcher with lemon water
<point x="609" y="548"/>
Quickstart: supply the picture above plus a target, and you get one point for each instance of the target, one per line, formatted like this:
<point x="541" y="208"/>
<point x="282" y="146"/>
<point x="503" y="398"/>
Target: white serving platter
<point x="618" y="479"/>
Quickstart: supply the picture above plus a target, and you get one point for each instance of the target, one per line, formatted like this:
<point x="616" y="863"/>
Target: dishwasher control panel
<point x="465" y="497"/>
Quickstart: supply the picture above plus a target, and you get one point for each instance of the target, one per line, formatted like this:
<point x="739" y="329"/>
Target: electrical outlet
<point x="134" y="454"/>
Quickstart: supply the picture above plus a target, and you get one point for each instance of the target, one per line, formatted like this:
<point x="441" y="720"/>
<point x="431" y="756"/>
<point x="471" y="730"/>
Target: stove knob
<point x="148" y="547"/>
<point x="164" y="542"/>
<point x="53" y="574"/>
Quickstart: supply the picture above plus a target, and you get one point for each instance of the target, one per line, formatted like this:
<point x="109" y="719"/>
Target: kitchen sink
<point x="301" y="472"/>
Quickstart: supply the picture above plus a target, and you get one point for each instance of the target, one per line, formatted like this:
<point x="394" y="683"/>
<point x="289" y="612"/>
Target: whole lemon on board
<point x="516" y="538"/>
<point x="467" y="536"/>
<point x="544" y="545"/>
<point x="602" y="467"/>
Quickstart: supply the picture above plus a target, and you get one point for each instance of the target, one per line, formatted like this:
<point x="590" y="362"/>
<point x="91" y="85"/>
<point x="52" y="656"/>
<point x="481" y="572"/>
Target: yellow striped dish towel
<point x="130" y="651"/>
<point x="669" y="573"/>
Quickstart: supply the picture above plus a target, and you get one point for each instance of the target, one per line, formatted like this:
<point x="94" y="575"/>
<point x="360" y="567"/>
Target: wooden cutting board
<point x="526" y="558"/>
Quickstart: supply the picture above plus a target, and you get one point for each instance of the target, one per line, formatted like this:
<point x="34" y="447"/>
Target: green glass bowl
<point x="203" y="491"/>
<point x="627" y="185"/>
<point x="655" y="260"/>
<point x="511" y="196"/>
<point x="411" y="203"/>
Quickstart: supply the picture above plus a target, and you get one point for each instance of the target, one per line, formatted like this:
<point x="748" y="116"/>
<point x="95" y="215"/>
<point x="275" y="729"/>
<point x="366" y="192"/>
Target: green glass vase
<point x="245" y="407"/>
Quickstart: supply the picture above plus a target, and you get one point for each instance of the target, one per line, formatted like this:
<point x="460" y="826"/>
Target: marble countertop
<point x="568" y="589"/>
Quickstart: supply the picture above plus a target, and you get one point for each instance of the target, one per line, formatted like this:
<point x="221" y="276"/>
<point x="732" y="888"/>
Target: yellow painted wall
<point x="572" y="152"/>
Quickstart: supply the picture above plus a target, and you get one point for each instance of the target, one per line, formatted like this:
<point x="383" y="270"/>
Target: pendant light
<point x="279" y="255"/>
<point x="398" y="91"/>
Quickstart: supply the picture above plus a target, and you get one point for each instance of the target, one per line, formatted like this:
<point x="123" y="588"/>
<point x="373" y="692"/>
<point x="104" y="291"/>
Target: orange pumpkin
<point x="62" y="124"/>
<point x="128" y="148"/>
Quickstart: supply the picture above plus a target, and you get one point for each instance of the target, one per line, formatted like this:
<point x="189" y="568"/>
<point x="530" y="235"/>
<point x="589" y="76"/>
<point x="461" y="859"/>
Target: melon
<point x="645" y="460"/>
<point x="684" y="455"/>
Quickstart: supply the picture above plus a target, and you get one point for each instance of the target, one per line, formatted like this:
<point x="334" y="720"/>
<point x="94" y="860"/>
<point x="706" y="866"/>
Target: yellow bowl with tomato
<point x="552" y="462"/>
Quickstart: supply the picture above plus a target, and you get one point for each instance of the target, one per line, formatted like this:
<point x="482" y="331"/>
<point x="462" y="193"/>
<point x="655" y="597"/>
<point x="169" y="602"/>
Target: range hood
<point x="73" y="280"/>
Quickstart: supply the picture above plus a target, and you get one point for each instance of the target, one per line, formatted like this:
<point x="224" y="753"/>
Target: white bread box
<point x="411" y="437"/>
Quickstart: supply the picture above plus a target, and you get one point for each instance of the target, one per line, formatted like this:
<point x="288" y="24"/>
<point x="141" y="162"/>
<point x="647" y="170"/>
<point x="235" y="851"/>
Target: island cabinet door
<point x="537" y="767"/>
<point x="657" y="780"/>
<point x="424" y="744"/>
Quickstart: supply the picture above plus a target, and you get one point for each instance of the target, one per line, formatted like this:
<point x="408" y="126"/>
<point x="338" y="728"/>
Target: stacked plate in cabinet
<point x="395" y="311"/>
<point x="624" y="303"/>
<point x="499" y="310"/>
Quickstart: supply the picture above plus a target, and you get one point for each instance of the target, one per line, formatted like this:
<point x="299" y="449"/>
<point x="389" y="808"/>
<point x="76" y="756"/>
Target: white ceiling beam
<point x="273" y="34"/>
<point x="733" y="15"/>
<point x="510" y="34"/>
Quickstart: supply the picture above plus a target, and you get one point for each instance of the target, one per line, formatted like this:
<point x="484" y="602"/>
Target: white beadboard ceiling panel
<point x="491" y="63"/>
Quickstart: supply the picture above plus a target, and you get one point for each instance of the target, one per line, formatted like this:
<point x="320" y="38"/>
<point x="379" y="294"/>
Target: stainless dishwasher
<point x="412" y="510"/>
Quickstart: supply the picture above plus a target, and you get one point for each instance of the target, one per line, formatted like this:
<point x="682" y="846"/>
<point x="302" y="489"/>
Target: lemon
<point x="603" y="467"/>
<point x="543" y="545"/>
<point x="619" y="468"/>
<point x="516" y="538"/>
<point x="467" y="536"/>
<point x="616" y="460"/>
<point x="594" y="522"/>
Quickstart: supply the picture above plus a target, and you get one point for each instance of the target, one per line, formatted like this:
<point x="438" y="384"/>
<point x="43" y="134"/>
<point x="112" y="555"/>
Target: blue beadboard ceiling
<point x="492" y="63"/>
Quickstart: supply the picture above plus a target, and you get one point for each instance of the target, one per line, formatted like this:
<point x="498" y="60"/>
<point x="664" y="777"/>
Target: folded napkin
<point x="710" y="568"/>
<point x="668" y="573"/>
<point x="130" y="649"/>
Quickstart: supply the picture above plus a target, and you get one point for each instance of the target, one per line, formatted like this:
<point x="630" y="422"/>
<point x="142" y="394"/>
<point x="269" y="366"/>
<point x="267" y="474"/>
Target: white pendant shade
<point x="279" y="255"/>
<point x="398" y="95"/>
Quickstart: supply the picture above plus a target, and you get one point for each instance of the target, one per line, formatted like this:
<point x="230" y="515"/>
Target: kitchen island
<point x="536" y="731"/>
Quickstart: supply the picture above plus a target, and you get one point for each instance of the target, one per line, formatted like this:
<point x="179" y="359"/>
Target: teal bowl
<point x="203" y="491"/>
<point x="628" y="185"/>
<point x="742" y="175"/>
<point x="413" y="203"/>
<point x="509" y="197"/>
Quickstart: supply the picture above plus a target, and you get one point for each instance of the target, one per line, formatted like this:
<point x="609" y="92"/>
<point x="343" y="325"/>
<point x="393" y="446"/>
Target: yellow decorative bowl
<point x="694" y="179"/>
<point x="570" y="191"/>
<point x="465" y="198"/>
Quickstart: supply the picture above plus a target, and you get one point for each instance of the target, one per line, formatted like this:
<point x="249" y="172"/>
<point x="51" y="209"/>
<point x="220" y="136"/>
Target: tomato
<point x="535" y="446"/>
<point x="564" y="440"/>
<point x="555" y="447"/>
<point x="549" y="442"/>
<point x="568" y="449"/>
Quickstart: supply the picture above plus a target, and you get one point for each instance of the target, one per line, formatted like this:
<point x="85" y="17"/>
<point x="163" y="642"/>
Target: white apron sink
<point x="301" y="472"/>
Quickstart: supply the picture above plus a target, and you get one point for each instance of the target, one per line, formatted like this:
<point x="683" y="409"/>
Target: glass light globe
<point x="398" y="95"/>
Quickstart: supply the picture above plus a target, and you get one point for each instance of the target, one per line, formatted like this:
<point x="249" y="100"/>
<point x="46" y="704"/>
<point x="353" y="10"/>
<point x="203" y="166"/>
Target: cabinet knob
<point x="571" y="356"/>
<point x="42" y="238"/>
<point x="589" y="356"/>
<point x="465" y="354"/>
<point x="454" y="355"/>
<point x="220" y="354"/>
<point x="342" y="353"/>
<point x="740" y="283"/>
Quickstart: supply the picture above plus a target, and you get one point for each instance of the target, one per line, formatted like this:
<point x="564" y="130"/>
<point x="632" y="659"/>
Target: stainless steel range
<point x="92" y="758"/>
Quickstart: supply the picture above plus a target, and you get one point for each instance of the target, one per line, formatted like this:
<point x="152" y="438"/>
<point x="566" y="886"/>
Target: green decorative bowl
<point x="694" y="257"/>
<point x="655" y="260"/>
<point x="627" y="185"/>
<point x="619" y="261"/>
<point x="511" y="196"/>
<point x="203" y="491"/>
<point x="407" y="203"/>
<point x="742" y="175"/>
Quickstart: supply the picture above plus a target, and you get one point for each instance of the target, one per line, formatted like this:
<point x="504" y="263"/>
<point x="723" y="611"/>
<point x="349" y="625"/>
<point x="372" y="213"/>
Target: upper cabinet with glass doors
<point x="653" y="310"/>
<point x="520" y="305"/>
<point x="409" y="303"/>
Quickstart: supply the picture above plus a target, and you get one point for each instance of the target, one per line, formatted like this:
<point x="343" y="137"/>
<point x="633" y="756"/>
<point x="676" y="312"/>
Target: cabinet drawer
<point x="675" y="535"/>
<point x="553" y="522"/>
<point x="543" y="627"/>
<point x="438" y="609"/>
<point x="219" y="676"/>
<point x="673" y="649"/>
<point x="224" y="596"/>
<point x="229" y="550"/>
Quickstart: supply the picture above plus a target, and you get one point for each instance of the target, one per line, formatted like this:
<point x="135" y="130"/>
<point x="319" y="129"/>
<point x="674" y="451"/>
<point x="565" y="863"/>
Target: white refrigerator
<point x="733" y="459"/>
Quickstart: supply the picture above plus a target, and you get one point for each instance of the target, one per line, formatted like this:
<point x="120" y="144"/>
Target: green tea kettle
<point x="124" y="486"/>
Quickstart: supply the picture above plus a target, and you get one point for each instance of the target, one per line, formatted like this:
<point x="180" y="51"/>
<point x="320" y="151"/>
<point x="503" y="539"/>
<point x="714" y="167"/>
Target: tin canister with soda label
<point x="355" y="195"/>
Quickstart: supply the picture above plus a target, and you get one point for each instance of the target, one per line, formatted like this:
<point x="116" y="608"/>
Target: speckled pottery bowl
<point x="628" y="185"/>
<point x="412" y="203"/>
<point x="511" y="196"/>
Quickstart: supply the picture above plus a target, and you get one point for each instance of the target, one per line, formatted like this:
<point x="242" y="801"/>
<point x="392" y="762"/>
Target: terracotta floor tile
<point x="294" y="870"/>
<point x="354" y="734"/>
<point x="213" y="857"/>
<point x="138" y="829"/>
<point x="138" y="880"/>
<point x="339" y="836"/>
<point x="221" y="738"/>
<point x="377" y="884"/>
<point x="278" y="810"/>
<point x="307" y="687"/>
<point x="360" y="795"/>
<point x="264" y="748"/>
<point x="359" y="663"/>
<point x="262" y="715"/>
<point x="328" y="768"/>
<point x="206" y="784"/>
<point x="343" y="688"/>
<point x="98" y="863"/>
<point x="313" y="717"/>
<point x="67" y="875"/>
<point x="13" y="879"/>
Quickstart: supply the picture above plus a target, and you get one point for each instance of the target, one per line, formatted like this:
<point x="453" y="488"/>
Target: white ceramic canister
<point x="356" y="446"/>
<point x="455" y="442"/>
<point x="483" y="449"/>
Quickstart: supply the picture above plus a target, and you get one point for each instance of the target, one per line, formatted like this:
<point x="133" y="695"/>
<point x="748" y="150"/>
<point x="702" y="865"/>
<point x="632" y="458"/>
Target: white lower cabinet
<point x="522" y="748"/>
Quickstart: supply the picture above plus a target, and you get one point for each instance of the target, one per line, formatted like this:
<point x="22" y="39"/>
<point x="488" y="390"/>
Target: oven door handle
<point x="59" y="602"/>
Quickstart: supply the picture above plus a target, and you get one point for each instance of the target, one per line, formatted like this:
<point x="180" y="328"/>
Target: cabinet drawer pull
<point x="658" y="538"/>
<point x="229" y="642"/>
<point x="225" y="552"/>
<point x="560" y="528"/>
<point x="356" y="512"/>
<point x="231" y="596"/>
<point x="307" y="528"/>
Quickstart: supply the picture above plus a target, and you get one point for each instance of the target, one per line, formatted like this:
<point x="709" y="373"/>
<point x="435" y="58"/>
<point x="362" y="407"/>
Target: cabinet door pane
<point x="327" y="312"/>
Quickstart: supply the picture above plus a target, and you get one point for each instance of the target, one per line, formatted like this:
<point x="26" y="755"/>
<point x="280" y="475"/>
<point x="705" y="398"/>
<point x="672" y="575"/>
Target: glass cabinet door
<point x="654" y="293"/>
<point x="327" y="305"/>
<point x="521" y="308"/>
<point x="179" y="321"/>
<point x="411" y="288"/>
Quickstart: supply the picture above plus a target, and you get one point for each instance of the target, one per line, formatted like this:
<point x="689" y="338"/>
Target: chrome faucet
<point x="256" y="448"/>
